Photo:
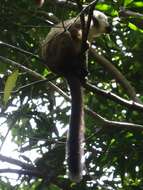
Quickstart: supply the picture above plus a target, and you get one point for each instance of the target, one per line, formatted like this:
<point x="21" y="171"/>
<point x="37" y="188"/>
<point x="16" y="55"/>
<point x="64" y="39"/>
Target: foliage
<point x="36" y="114"/>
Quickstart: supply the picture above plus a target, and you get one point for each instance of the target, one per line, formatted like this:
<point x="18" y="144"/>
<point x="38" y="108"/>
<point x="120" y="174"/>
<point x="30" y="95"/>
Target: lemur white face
<point x="99" y="25"/>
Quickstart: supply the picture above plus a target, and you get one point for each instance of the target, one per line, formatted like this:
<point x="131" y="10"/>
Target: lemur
<point x="62" y="51"/>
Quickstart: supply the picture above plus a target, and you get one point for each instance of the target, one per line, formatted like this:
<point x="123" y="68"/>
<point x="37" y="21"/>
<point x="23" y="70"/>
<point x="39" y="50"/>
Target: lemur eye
<point x="96" y="22"/>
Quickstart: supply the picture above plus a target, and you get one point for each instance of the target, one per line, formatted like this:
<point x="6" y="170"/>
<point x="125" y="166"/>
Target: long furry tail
<point x="75" y="147"/>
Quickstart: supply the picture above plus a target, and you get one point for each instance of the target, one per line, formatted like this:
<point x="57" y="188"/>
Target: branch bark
<point x="116" y="73"/>
<point x="38" y="76"/>
<point x="128" y="103"/>
<point x="16" y="162"/>
<point x="31" y="173"/>
<point x="34" y="74"/>
<point x="105" y="123"/>
<point x="26" y="169"/>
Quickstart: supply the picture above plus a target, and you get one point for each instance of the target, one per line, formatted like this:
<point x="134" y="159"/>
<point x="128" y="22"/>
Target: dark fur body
<point x="62" y="52"/>
<point x="66" y="61"/>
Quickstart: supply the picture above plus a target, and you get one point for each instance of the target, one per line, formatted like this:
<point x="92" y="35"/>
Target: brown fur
<point x="66" y="62"/>
<point x="62" y="52"/>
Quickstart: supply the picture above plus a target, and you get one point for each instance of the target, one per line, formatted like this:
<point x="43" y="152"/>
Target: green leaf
<point x="103" y="7"/>
<point x="9" y="86"/>
<point x="127" y="2"/>
<point x="132" y="26"/>
<point x="107" y="8"/>
<point x="138" y="4"/>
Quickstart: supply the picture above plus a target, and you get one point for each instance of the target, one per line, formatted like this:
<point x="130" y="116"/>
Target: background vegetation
<point x="34" y="106"/>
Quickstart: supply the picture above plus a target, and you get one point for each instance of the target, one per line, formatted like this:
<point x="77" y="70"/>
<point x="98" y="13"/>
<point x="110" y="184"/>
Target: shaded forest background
<point x="35" y="104"/>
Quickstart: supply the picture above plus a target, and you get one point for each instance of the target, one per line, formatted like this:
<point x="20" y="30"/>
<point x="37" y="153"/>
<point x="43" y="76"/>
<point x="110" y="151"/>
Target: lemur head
<point x="99" y="25"/>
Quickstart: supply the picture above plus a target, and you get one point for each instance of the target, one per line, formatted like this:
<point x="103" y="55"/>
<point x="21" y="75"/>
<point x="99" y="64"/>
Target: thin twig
<point x="32" y="84"/>
<point x="128" y="103"/>
<point x="24" y="51"/>
<point x="90" y="14"/>
<point x="128" y="13"/>
<point x="34" y="74"/>
<point x="108" y="123"/>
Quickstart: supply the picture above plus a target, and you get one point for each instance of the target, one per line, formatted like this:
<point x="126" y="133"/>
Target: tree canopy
<point x="35" y="104"/>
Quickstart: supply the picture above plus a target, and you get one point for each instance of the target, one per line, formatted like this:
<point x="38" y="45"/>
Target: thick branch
<point x="16" y="162"/>
<point x="23" y="172"/>
<point x="26" y="169"/>
<point x="116" y="73"/>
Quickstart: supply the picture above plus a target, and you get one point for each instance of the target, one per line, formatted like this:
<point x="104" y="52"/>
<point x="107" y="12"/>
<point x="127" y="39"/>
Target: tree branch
<point x="23" y="51"/>
<point x="128" y="103"/>
<point x="34" y="74"/>
<point x="50" y="78"/>
<point x="27" y="169"/>
<point x="105" y="123"/>
<point x="38" y="76"/>
<point x="128" y="13"/>
<point x="31" y="173"/>
<point x="116" y="73"/>
<point x="16" y="162"/>
<point x="21" y="67"/>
